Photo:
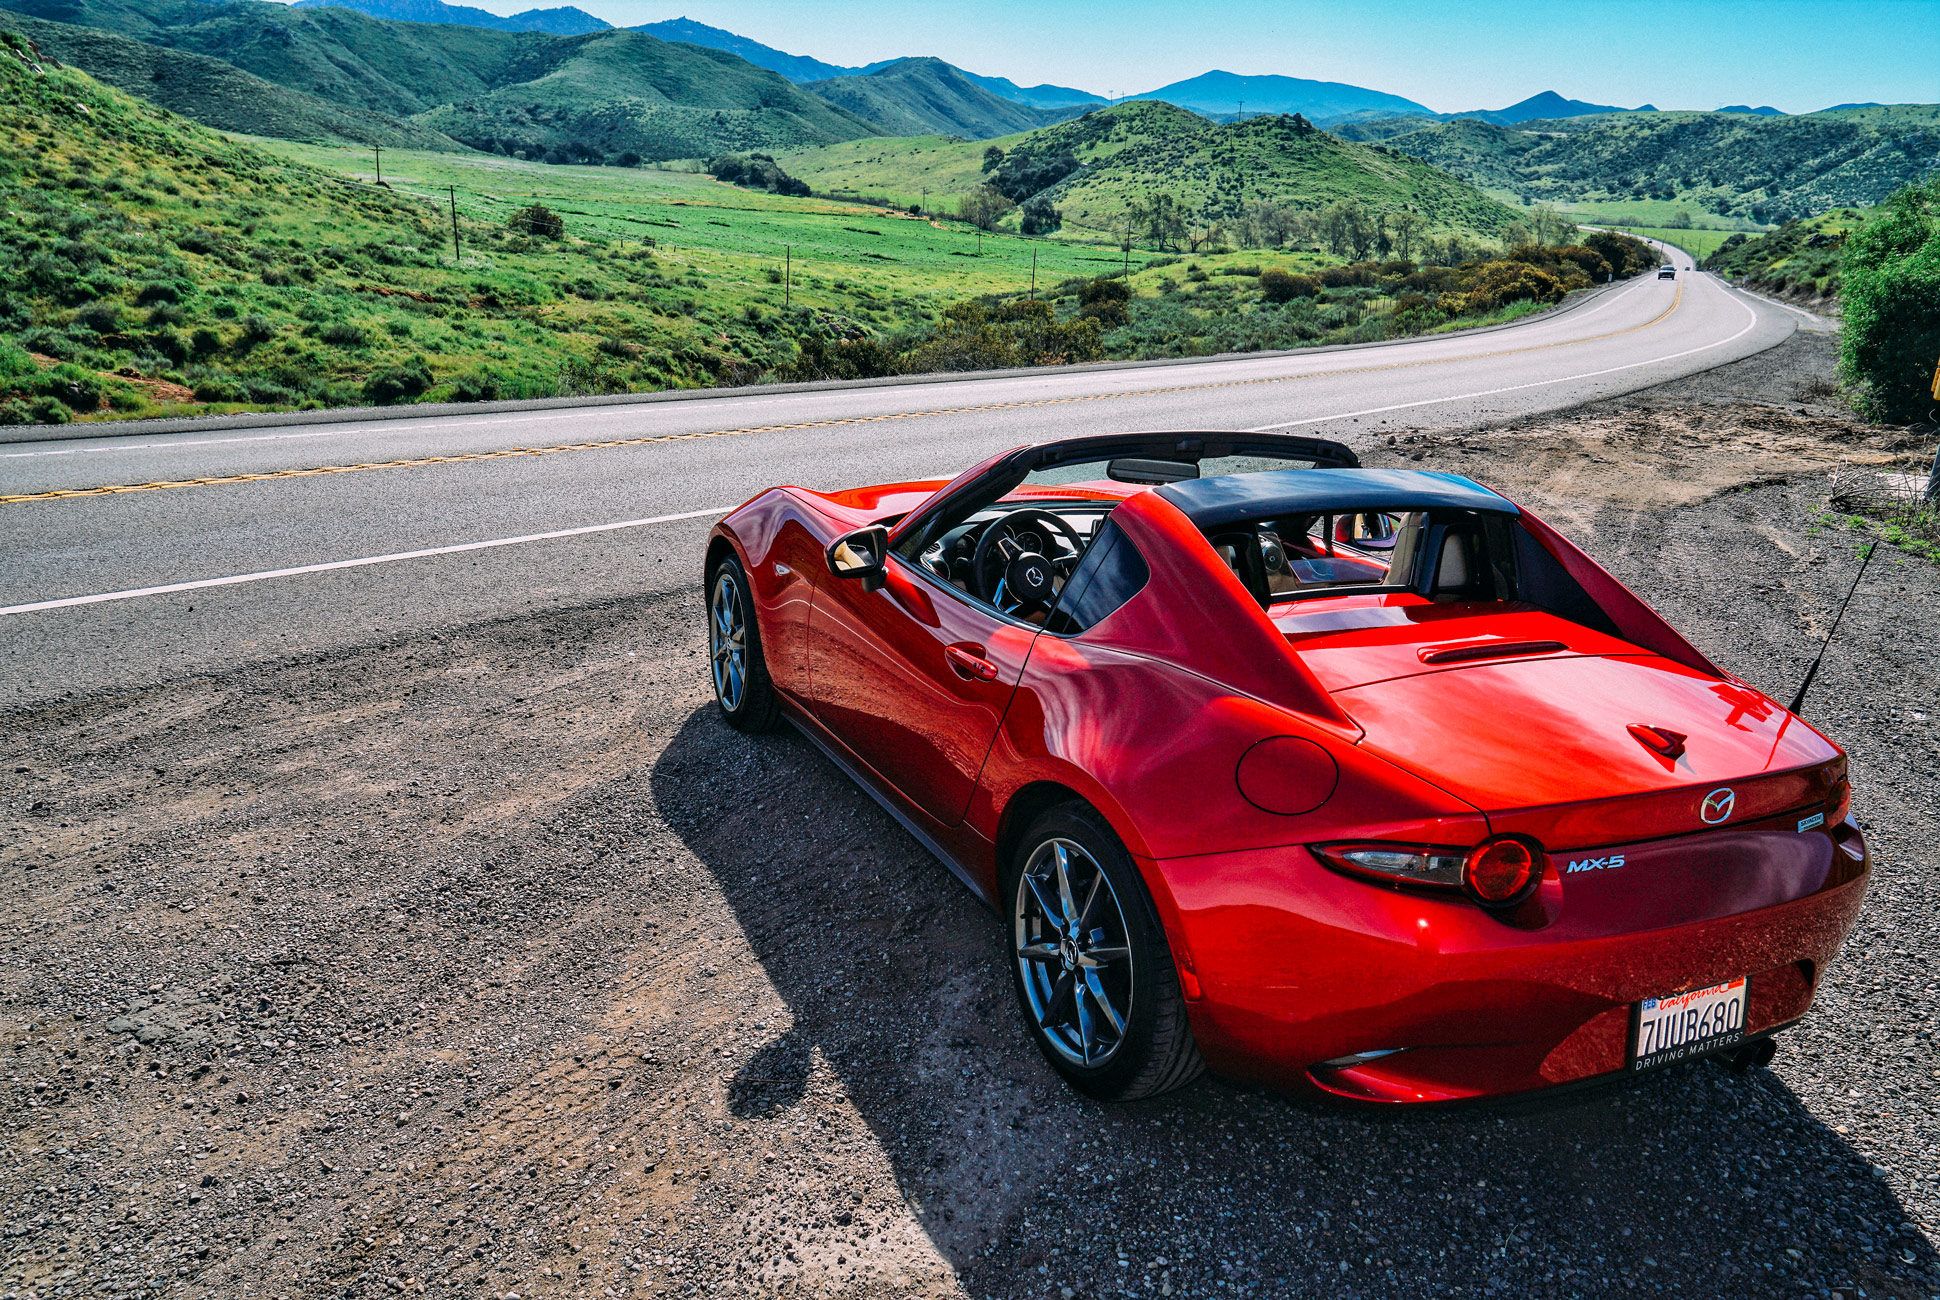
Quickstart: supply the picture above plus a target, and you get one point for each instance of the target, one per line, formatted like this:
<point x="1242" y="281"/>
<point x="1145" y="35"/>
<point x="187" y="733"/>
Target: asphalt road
<point x="302" y="496"/>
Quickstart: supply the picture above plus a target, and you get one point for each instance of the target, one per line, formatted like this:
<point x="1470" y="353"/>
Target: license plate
<point x="1683" y="1025"/>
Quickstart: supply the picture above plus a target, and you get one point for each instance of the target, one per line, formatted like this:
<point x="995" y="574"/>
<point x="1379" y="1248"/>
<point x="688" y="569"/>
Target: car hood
<point x="1546" y="744"/>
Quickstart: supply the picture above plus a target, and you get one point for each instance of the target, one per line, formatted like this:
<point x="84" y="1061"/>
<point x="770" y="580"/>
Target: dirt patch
<point x="489" y="962"/>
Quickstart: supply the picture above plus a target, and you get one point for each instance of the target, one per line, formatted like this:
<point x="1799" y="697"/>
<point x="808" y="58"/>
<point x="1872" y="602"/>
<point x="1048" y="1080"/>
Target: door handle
<point x="968" y="662"/>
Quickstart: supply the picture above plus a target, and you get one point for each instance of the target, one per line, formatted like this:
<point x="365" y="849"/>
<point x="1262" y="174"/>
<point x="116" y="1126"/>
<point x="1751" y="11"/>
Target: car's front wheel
<point x="740" y="674"/>
<point x="1093" y="972"/>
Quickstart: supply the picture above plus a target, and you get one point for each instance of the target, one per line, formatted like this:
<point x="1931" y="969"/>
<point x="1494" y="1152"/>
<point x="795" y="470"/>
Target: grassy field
<point x="842" y="253"/>
<point x="1699" y="243"/>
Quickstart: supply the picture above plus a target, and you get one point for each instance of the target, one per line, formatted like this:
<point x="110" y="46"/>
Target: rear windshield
<point x="1445" y="554"/>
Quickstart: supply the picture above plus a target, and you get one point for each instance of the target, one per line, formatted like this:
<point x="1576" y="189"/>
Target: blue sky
<point x="1792" y="54"/>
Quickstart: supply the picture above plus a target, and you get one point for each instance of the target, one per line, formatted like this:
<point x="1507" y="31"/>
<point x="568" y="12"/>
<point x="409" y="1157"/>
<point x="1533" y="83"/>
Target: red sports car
<point x="1359" y="779"/>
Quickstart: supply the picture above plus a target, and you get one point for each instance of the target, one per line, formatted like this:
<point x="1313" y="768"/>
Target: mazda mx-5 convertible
<point x="1363" y="780"/>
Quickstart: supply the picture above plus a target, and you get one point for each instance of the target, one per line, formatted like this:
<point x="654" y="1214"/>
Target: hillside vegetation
<point x="1889" y="276"/>
<point x="611" y="96"/>
<point x="1800" y="258"/>
<point x="216" y="93"/>
<point x="1764" y="169"/>
<point x="153" y="266"/>
<point x="1101" y="170"/>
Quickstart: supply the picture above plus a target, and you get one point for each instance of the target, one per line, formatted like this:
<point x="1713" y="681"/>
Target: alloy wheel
<point x="1074" y="953"/>
<point x="727" y="640"/>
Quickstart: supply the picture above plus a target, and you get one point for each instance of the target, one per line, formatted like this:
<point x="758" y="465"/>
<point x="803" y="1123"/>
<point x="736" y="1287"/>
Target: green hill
<point x="610" y="95"/>
<point x="1800" y="258"/>
<point x="1098" y="167"/>
<point x="928" y="97"/>
<point x="215" y="93"/>
<point x="1763" y="169"/>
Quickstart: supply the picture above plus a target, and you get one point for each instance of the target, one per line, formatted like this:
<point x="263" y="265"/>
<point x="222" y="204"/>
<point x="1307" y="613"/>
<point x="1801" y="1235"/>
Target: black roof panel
<point x="1231" y="498"/>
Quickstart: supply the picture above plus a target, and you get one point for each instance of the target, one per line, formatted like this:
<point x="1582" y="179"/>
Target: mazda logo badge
<point x="1717" y="805"/>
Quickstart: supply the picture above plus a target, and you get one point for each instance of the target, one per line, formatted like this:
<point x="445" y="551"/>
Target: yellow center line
<point x="645" y="440"/>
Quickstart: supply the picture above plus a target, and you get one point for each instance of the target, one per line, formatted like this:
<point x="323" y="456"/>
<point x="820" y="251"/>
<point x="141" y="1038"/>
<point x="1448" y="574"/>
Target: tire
<point x="1121" y="1032"/>
<point x="736" y="666"/>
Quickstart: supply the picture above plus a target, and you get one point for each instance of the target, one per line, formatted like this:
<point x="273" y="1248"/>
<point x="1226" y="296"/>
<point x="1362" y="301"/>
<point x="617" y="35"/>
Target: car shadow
<point x="1691" y="1180"/>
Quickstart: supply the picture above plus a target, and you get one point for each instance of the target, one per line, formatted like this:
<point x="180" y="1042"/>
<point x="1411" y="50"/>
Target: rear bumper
<point x="1291" y="968"/>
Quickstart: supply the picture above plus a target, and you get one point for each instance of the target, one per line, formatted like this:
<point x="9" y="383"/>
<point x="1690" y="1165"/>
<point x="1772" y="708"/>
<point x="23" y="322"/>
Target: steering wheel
<point x="1010" y="567"/>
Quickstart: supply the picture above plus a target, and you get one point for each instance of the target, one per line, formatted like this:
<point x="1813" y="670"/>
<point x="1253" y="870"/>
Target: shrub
<point x="345" y="334"/>
<point x="73" y="386"/>
<point x="475" y="386"/>
<point x="402" y="383"/>
<point x="204" y="342"/>
<point x="1890" y="291"/>
<point x="257" y="330"/>
<point x="16" y="412"/>
<point x="47" y="410"/>
<point x="163" y="291"/>
<point x="1105" y="300"/>
<point x="539" y="221"/>
<point x="1284" y="286"/>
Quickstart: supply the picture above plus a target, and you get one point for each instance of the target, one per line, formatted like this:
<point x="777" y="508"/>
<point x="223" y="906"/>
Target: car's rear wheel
<point x="1093" y="972"/>
<point x="740" y="674"/>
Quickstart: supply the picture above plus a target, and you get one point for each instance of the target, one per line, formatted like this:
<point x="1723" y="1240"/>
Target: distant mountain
<point x="1224" y="93"/>
<point x="1547" y="106"/>
<point x="1765" y="111"/>
<point x="1871" y="103"/>
<point x="801" y="69"/>
<point x="795" y="67"/>
<point x="565" y="21"/>
<point x="215" y="93"/>
<point x="1045" y="96"/>
<point x="928" y="97"/>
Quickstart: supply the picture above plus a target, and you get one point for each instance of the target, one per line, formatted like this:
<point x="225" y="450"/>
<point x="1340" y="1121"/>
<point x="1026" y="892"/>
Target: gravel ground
<point x="490" y="963"/>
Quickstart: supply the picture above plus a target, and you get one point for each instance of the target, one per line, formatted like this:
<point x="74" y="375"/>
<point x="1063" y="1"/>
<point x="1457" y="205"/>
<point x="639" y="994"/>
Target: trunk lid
<point x="1573" y="737"/>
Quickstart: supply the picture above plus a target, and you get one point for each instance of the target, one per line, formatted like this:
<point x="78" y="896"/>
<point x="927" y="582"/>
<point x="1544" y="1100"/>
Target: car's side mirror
<point x="860" y="554"/>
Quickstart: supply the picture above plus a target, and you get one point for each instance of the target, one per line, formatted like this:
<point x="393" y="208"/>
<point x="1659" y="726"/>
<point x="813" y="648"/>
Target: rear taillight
<point x="1839" y="799"/>
<point x="1502" y="871"/>
<point x="1413" y="864"/>
<point x="1496" y="873"/>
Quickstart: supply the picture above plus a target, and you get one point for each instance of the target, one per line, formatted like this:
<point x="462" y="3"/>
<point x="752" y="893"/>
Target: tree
<point x="1349" y="228"/>
<point x="993" y="158"/>
<point x="1038" y="217"/>
<point x="984" y="207"/>
<point x="1159" y="219"/>
<point x="1406" y="227"/>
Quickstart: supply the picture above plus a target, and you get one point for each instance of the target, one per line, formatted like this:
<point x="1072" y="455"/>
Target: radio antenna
<point x="1812" y="672"/>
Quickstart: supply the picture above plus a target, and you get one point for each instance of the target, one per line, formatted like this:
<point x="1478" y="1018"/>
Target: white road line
<point x="713" y="512"/>
<point x="1517" y="388"/>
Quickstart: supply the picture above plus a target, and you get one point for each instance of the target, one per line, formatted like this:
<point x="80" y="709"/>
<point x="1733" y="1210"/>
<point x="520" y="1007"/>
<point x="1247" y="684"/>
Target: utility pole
<point x="980" y="243"/>
<point x="787" y="276"/>
<point x="380" y="162"/>
<point x="1033" y="275"/>
<point x="453" y="191"/>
